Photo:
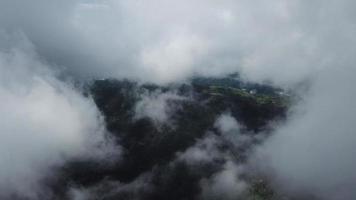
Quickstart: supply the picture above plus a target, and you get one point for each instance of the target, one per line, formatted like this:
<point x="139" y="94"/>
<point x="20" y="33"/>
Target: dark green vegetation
<point x="151" y="149"/>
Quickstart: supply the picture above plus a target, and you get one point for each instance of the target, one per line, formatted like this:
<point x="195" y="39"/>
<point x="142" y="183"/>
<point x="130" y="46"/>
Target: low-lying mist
<point x="50" y="49"/>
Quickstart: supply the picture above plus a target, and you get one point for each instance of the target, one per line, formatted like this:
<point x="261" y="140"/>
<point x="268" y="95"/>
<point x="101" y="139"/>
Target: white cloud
<point x="43" y="123"/>
<point x="163" y="41"/>
<point x="230" y="130"/>
<point x="174" y="59"/>
<point x="286" y="42"/>
<point x="226" y="184"/>
<point x="315" y="150"/>
<point x="226" y="123"/>
<point x="156" y="106"/>
<point x="204" y="151"/>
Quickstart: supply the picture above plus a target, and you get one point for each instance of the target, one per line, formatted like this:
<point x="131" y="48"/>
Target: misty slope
<point x="62" y="138"/>
<point x="157" y="126"/>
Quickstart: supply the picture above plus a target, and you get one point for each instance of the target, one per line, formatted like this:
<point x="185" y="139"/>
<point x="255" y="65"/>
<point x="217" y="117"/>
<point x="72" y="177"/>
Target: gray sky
<point x="165" y="41"/>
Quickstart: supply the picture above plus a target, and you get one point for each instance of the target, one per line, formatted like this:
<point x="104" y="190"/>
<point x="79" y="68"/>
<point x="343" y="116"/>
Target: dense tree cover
<point x="151" y="148"/>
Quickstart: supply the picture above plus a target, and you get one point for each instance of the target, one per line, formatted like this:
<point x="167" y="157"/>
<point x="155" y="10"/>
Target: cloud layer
<point x="285" y="42"/>
<point x="163" y="41"/>
<point x="315" y="151"/>
<point x="43" y="123"/>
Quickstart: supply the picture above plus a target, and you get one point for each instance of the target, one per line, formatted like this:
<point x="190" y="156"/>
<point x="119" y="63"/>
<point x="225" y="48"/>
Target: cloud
<point x="43" y="123"/>
<point x="204" y="151"/>
<point x="226" y="123"/>
<point x="314" y="151"/>
<point x="137" y="189"/>
<point x="221" y="153"/>
<point x="174" y="58"/>
<point x="232" y="132"/>
<point x="286" y="42"/>
<point x="157" y="106"/>
<point x="171" y="41"/>
<point x="225" y="184"/>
